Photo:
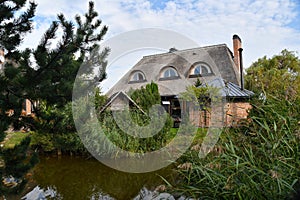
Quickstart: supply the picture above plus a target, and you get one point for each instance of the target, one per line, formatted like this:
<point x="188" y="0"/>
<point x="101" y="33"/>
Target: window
<point x="200" y="70"/>
<point x="168" y="73"/>
<point x="137" y="76"/>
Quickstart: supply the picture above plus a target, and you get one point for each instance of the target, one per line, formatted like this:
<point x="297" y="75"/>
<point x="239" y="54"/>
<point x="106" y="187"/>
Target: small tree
<point x="198" y="83"/>
<point x="100" y="99"/>
<point x="200" y="94"/>
<point x="147" y="96"/>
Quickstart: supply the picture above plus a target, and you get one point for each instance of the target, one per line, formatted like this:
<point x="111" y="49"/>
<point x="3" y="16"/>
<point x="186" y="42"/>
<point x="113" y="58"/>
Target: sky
<point x="265" y="26"/>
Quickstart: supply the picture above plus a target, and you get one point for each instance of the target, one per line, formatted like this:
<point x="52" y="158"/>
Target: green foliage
<point x="55" y="119"/>
<point x="15" y="159"/>
<point x="69" y="142"/>
<point x="201" y="96"/>
<point x="146" y="97"/>
<point x="57" y="130"/>
<point x="262" y="163"/>
<point x="66" y="142"/>
<point x="198" y="83"/>
<point x="51" y="80"/>
<point x="194" y="93"/>
<point x="100" y="99"/>
<point x="15" y="138"/>
<point x="130" y="143"/>
<point x="12" y="30"/>
<point x="13" y="27"/>
<point x="44" y="141"/>
<point x="277" y="76"/>
<point x="47" y="79"/>
<point x="3" y="127"/>
<point x="17" y="164"/>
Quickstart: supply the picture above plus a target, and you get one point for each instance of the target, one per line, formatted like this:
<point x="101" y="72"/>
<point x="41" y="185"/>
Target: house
<point x="119" y="101"/>
<point x="175" y="70"/>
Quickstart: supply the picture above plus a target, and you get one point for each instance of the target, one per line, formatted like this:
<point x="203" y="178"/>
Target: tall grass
<point x="125" y="141"/>
<point x="257" y="161"/>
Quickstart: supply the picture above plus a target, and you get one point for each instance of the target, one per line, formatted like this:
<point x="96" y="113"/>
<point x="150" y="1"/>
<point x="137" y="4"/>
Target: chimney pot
<point x="236" y="37"/>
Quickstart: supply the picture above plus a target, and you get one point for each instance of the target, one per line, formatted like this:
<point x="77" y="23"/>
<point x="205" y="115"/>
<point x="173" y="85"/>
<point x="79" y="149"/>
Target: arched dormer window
<point x="168" y="73"/>
<point x="137" y="76"/>
<point x="200" y="69"/>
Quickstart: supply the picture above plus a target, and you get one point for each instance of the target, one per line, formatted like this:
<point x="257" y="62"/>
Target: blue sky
<point x="158" y="5"/>
<point x="265" y="26"/>
<point x="296" y="23"/>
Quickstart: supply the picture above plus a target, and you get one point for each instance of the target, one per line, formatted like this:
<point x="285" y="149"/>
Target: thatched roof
<point x="218" y="57"/>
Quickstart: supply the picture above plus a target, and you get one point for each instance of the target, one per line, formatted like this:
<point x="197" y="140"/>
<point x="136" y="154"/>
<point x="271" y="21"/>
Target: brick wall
<point x="236" y="111"/>
<point x="27" y="108"/>
<point x="230" y="115"/>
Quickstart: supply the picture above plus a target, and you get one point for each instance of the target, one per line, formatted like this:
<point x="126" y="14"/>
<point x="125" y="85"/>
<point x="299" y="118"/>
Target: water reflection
<point x="77" y="178"/>
<point x="42" y="194"/>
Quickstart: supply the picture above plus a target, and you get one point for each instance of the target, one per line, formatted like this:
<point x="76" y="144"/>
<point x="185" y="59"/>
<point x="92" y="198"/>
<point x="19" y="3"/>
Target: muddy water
<point x="78" y="178"/>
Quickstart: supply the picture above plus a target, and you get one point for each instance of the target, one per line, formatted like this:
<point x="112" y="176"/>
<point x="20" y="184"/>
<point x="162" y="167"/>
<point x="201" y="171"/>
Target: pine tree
<point x="12" y="28"/>
<point x="50" y="77"/>
<point x="198" y="83"/>
<point x="12" y="31"/>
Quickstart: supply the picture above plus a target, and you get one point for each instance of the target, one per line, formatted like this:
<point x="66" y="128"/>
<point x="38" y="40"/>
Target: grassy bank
<point x="14" y="138"/>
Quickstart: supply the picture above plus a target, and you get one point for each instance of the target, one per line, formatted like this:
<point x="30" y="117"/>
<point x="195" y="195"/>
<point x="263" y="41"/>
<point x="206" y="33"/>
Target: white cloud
<point x="263" y="25"/>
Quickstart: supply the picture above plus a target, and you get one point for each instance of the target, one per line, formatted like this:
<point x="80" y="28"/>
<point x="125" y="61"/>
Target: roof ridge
<point x="185" y="50"/>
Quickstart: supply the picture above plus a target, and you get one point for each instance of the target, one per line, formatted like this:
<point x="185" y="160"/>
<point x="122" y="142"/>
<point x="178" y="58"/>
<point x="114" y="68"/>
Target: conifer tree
<point x="45" y="73"/>
<point x="12" y="31"/>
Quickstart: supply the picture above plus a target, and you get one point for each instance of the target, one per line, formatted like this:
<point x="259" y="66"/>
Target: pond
<point x="70" y="177"/>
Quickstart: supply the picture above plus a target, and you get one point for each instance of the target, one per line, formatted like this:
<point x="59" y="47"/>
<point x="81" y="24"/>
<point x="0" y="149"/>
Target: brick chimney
<point x="237" y="44"/>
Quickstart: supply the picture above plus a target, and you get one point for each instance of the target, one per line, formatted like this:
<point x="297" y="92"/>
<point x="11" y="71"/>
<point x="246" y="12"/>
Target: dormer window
<point x="168" y="73"/>
<point x="200" y="69"/>
<point x="137" y="76"/>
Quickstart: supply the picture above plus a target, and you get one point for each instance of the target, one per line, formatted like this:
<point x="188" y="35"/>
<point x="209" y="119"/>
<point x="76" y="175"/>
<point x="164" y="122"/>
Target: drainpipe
<point x="241" y="68"/>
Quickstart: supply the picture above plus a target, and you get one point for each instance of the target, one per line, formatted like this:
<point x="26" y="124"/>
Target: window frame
<point x="164" y="70"/>
<point x="201" y="65"/>
<point x="137" y="73"/>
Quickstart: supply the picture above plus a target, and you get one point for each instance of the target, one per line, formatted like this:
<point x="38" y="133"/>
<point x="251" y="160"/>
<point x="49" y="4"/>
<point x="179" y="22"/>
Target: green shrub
<point x="49" y="142"/>
<point x="43" y="141"/>
<point x="134" y="144"/>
